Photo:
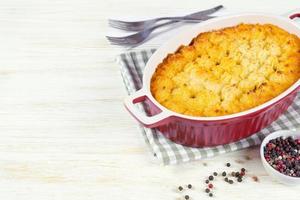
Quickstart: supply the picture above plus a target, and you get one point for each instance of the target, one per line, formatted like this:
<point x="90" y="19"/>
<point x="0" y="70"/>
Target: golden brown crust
<point x="228" y="71"/>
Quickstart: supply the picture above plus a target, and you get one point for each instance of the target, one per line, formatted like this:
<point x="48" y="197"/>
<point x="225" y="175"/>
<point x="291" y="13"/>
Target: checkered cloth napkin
<point x="132" y="65"/>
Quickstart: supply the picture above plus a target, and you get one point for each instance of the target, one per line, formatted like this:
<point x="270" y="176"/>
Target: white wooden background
<point x="64" y="133"/>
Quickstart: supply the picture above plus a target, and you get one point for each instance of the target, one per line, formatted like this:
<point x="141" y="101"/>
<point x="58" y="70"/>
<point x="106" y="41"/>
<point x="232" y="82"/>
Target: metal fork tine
<point x="124" y="24"/>
<point x="116" y="23"/>
<point x="120" y="41"/>
<point x="116" y="38"/>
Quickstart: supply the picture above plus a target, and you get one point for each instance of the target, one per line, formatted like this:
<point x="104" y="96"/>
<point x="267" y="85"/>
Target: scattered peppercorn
<point x="210" y="186"/>
<point x="255" y="178"/>
<point x="228" y="164"/>
<point x="230" y="181"/>
<point x="232" y="173"/>
<point x="237" y="174"/>
<point x="187" y="197"/>
<point x="211" y="178"/>
<point x="223" y="173"/>
<point x="242" y="174"/>
<point x="243" y="170"/>
<point x="226" y="179"/>
<point x="248" y="158"/>
<point x="207" y="190"/>
<point x="189" y="186"/>
<point x="206" y="181"/>
<point x="210" y="194"/>
<point x="180" y="188"/>
<point x="215" y="174"/>
<point x="239" y="179"/>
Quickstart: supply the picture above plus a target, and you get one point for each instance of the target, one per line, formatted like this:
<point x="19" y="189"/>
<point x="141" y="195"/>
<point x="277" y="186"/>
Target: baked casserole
<point x="228" y="71"/>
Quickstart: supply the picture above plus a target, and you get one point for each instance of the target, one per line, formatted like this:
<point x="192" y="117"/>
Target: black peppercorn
<point x="226" y="179"/>
<point x="230" y="181"/>
<point x="186" y="197"/>
<point x="239" y="179"/>
<point x="180" y="188"/>
<point x="189" y="186"/>
<point x="223" y="173"/>
<point x="215" y="174"/>
<point x="211" y="178"/>
<point x="206" y="181"/>
<point x="243" y="170"/>
<point x="210" y="194"/>
<point x="228" y="164"/>
<point x="207" y="190"/>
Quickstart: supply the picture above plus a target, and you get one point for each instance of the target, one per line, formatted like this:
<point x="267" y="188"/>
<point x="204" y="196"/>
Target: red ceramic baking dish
<point x="210" y="131"/>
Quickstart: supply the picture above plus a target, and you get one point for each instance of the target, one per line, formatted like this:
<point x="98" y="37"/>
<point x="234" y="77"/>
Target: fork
<point x="134" y="39"/>
<point x="141" y="25"/>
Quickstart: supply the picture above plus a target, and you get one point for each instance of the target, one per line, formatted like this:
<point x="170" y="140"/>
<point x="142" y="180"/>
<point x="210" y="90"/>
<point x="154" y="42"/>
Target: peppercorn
<point x="210" y="186"/>
<point x="210" y="194"/>
<point x="186" y="197"/>
<point x="232" y="173"/>
<point x="237" y="174"/>
<point x="215" y="174"/>
<point x="180" y="188"/>
<point x="228" y="164"/>
<point x="230" y="181"/>
<point x="239" y="179"/>
<point x="226" y="179"/>
<point x="223" y="173"/>
<point x="243" y="170"/>
<point x="211" y="178"/>
<point x="206" y="181"/>
<point x="189" y="186"/>
<point x="207" y="190"/>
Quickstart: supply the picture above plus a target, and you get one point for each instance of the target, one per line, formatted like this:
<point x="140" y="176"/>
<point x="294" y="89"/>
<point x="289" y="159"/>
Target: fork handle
<point x="185" y="18"/>
<point x="181" y="19"/>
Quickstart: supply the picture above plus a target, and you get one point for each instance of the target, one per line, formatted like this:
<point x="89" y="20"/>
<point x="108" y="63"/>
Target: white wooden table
<point x="64" y="133"/>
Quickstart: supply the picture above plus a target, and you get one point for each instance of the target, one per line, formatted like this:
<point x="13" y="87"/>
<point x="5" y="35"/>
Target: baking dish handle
<point x="293" y="14"/>
<point x="147" y="121"/>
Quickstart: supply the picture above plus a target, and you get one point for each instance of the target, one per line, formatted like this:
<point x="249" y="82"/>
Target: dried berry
<point x="226" y="179"/>
<point x="223" y="173"/>
<point x="230" y="181"/>
<point x="215" y="174"/>
<point x="228" y="164"/>
<point x="206" y="181"/>
<point x="207" y="190"/>
<point x="210" y="194"/>
<point x="189" y="186"/>
<point x="239" y="179"/>
<point x="243" y="170"/>
<point x="210" y="186"/>
<point x="187" y="197"/>
<point x="180" y="188"/>
<point x="211" y="178"/>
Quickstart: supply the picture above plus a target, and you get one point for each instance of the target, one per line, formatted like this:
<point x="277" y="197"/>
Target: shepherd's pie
<point x="228" y="71"/>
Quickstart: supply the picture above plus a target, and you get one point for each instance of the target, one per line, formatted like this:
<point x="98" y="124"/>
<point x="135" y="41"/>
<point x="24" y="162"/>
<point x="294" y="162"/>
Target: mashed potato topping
<point x="228" y="71"/>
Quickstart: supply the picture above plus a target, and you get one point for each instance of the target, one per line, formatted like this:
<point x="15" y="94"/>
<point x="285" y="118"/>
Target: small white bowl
<point x="271" y="171"/>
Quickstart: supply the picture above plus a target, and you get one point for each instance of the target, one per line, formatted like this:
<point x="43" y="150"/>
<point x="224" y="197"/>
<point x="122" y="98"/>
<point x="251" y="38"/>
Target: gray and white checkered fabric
<point x="132" y="65"/>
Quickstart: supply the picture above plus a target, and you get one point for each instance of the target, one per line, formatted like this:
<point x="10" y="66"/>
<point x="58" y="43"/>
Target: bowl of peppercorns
<point x="280" y="155"/>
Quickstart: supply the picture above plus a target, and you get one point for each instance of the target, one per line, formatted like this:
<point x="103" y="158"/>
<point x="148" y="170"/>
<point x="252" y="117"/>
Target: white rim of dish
<point x="218" y="118"/>
<point x="270" y="137"/>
